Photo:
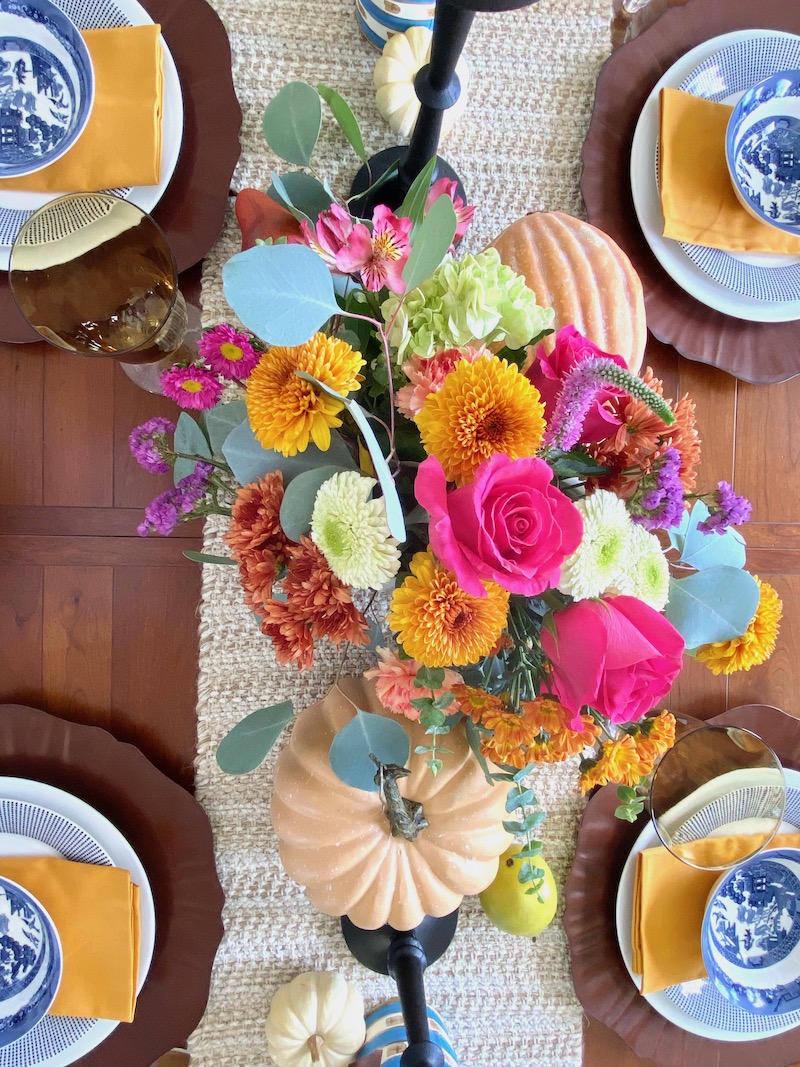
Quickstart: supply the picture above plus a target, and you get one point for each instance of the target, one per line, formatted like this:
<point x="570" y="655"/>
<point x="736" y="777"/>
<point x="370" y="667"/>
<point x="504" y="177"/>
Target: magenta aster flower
<point x="379" y="257"/>
<point x="464" y="212"/>
<point x="149" y="443"/>
<point x="191" y="387"/>
<point x="329" y="235"/>
<point x="228" y="352"/>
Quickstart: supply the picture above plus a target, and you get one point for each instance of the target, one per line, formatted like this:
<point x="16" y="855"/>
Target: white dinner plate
<point x="16" y="207"/>
<point x="57" y="823"/>
<point x="698" y="1007"/>
<point x="671" y="254"/>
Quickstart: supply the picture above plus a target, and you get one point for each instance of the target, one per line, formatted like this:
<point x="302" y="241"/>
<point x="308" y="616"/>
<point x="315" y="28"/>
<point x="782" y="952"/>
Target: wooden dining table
<point x="98" y="625"/>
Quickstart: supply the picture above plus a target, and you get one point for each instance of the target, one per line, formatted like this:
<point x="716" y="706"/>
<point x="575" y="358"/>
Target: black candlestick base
<point x="371" y="947"/>
<point x="392" y="193"/>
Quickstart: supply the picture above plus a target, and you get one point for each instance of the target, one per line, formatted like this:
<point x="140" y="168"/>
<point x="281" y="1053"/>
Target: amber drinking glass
<point x="95" y="275"/>
<point x="717" y="797"/>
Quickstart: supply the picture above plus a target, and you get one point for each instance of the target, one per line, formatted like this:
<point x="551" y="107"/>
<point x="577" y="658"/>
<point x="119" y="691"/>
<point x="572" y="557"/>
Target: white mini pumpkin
<point x="403" y="55"/>
<point x="317" y="1020"/>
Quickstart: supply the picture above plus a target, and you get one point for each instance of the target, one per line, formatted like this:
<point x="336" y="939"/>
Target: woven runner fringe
<point x="505" y="1000"/>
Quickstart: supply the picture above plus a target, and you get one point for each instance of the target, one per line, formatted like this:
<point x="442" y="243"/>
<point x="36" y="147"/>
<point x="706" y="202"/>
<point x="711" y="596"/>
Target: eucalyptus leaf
<point x="520" y="800"/>
<point x="430" y="242"/>
<point x="413" y="206"/>
<point x="191" y="440"/>
<point x="292" y="121"/>
<point x="702" y="551"/>
<point x="677" y="534"/>
<point x="248" y="743"/>
<point x="298" y="501"/>
<point x="283" y="293"/>
<point x="394" y="510"/>
<point x="249" y="460"/>
<point x="367" y="733"/>
<point x="303" y="195"/>
<point x="204" y="557"/>
<point x="345" y="118"/>
<point x="220" y="420"/>
<point x="712" y="605"/>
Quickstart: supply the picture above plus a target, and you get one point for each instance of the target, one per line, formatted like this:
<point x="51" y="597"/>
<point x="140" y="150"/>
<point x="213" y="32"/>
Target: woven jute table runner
<point x="505" y="1000"/>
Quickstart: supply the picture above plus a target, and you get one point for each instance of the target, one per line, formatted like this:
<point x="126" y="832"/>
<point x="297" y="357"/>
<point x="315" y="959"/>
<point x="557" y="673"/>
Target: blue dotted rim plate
<point x="724" y="77"/>
<point x="698" y="1007"/>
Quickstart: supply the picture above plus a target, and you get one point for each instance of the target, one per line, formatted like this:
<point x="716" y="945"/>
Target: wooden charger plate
<point x="753" y="351"/>
<point x="602" y="982"/>
<point x="171" y="835"/>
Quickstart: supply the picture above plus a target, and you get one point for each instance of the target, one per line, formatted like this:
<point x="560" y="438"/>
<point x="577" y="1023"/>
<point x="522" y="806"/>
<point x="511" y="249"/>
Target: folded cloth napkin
<point x="121" y="145"/>
<point x="669" y="900"/>
<point x="96" y="912"/>
<point x="697" y="197"/>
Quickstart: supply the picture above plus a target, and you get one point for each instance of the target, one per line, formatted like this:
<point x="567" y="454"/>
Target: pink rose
<point x="510" y="525"/>
<point x="548" y="371"/>
<point x="618" y="655"/>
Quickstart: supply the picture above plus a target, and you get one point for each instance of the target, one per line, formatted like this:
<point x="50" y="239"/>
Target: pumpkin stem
<point x="313" y="1047"/>
<point x="405" y="817"/>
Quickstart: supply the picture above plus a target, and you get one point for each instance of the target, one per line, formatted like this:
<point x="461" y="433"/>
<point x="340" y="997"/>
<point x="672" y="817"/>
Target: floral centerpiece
<point x="518" y="534"/>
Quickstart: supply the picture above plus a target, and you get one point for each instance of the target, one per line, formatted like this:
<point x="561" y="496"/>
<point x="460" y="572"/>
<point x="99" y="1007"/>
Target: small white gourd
<point x="403" y="55"/>
<point x="317" y="1020"/>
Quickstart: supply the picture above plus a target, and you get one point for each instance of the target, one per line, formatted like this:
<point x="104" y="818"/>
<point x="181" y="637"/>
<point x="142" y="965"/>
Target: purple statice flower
<point x="662" y="504"/>
<point x="148" y="444"/>
<point x="731" y="510"/>
<point x="169" y="508"/>
<point x="579" y="390"/>
<point x="228" y="352"/>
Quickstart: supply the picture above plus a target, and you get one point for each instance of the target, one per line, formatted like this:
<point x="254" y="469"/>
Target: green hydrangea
<point x="476" y="298"/>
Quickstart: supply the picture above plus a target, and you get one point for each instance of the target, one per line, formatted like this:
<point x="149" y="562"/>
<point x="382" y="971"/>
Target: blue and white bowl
<point x="751" y="933"/>
<point x="46" y="85"/>
<point x="30" y="962"/>
<point x="762" y="150"/>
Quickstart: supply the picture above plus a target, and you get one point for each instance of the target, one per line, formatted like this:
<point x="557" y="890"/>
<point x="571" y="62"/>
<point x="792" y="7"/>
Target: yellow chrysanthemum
<point x="476" y="702"/>
<point x="556" y="741"/>
<point x="654" y="737"/>
<point x="619" y="762"/>
<point x="286" y="412"/>
<point x="440" y="625"/>
<point x="483" y="408"/>
<point x="755" y="645"/>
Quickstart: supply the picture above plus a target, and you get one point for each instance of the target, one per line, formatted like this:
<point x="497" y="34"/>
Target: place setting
<point x="722" y="281"/>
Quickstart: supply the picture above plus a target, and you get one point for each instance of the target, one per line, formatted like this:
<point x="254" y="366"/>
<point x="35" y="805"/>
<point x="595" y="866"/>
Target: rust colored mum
<point x="290" y="634"/>
<point x="257" y="572"/>
<point x="255" y="519"/>
<point x="316" y="595"/>
<point x="641" y="440"/>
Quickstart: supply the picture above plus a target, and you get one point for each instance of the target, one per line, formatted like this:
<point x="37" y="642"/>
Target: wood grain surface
<point x="99" y="625"/>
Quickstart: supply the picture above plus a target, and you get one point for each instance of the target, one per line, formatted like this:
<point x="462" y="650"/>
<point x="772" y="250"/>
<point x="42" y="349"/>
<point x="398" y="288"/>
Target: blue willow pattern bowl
<point x="30" y="962"/>
<point x="751" y="933"/>
<point x="46" y="85"/>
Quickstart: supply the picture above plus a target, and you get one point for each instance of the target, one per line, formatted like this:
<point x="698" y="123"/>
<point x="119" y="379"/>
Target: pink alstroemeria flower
<point x="379" y="257"/>
<point x="464" y="212"/>
<point x="330" y="234"/>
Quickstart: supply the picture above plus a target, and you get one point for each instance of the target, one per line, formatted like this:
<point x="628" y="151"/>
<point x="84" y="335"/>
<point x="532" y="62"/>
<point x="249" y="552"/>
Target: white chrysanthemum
<point x="646" y="573"/>
<point x="351" y="532"/>
<point x="601" y="558"/>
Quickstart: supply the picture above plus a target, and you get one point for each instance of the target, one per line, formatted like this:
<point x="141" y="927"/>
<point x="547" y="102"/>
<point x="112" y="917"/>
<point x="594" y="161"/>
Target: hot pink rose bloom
<point x="427" y="376"/>
<point x="618" y="655"/>
<point x="547" y="373"/>
<point x="510" y="525"/>
<point x="394" y="683"/>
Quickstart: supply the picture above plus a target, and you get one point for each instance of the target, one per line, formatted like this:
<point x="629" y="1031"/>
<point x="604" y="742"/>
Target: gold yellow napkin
<point x="669" y="899"/>
<point x="96" y="912"/>
<point x="697" y="197"/>
<point x="121" y="144"/>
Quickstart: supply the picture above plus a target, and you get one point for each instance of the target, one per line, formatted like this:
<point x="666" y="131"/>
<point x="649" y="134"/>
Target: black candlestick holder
<point x="438" y="88"/>
<point x="404" y="954"/>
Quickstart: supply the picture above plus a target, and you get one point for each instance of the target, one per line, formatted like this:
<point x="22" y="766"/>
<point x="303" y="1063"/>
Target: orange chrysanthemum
<point x="257" y="572"/>
<point x="555" y="741"/>
<point x="315" y="594"/>
<point x="476" y="702"/>
<point x="483" y="408"/>
<point x="286" y="412"/>
<point x="255" y="519"/>
<point x="643" y="438"/>
<point x="290" y="634"/>
<point x="755" y="645"/>
<point x="439" y="624"/>
<point x="619" y="762"/>
<point x="512" y="736"/>
<point x="654" y="737"/>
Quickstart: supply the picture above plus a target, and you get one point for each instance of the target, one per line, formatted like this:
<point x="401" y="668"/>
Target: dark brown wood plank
<point x="82" y="522"/>
<point x="21" y="425"/>
<point x="92" y="551"/>
<point x="21" y="634"/>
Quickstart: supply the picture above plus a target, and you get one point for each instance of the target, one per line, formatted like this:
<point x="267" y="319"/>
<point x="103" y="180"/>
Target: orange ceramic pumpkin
<point x="584" y="276"/>
<point x="337" y="842"/>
